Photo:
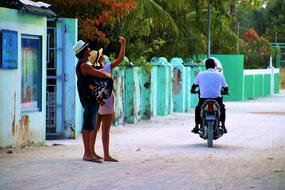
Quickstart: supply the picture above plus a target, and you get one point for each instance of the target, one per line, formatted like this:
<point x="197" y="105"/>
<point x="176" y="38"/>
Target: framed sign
<point x="9" y="49"/>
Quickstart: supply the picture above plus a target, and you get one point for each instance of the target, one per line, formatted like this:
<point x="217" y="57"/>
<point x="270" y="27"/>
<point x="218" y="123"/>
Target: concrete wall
<point x="233" y="72"/>
<point x="276" y="82"/>
<point x="119" y="88"/>
<point x="187" y="88"/>
<point x="153" y="108"/>
<point x="258" y="82"/>
<point x="21" y="127"/>
<point x="133" y="98"/>
<point x="138" y="97"/>
<point x="178" y="85"/>
<point x="161" y="87"/>
<point x="146" y="93"/>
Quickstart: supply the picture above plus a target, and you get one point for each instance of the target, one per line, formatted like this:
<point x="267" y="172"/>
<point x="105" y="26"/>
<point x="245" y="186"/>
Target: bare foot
<point x="91" y="159"/>
<point x="97" y="156"/>
<point x="110" y="159"/>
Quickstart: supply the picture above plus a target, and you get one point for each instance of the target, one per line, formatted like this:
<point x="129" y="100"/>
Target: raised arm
<point x="121" y="55"/>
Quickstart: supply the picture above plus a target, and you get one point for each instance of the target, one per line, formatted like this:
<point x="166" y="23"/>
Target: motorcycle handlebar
<point x="195" y="92"/>
<point x="225" y="93"/>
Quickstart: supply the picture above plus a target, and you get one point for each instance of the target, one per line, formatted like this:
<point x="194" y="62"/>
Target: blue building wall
<point x="18" y="127"/>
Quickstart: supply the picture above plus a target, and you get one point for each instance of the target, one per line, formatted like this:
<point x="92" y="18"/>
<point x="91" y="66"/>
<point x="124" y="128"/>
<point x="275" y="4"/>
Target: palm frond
<point x="158" y="16"/>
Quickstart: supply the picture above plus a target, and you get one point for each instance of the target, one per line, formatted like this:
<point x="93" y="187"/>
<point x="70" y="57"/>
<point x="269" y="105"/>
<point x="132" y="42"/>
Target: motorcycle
<point x="210" y="128"/>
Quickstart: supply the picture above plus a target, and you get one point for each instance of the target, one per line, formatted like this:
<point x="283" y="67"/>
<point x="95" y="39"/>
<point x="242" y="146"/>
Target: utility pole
<point x="209" y="29"/>
<point x="238" y="38"/>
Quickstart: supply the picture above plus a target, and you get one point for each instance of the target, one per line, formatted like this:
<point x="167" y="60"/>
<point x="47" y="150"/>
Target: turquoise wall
<point x="169" y="88"/>
<point x="266" y="84"/>
<point x="276" y="82"/>
<point x="146" y="94"/>
<point x="162" y="86"/>
<point x="21" y="127"/>
<point x="259" y="87"/>
<point x="118" y="75"/>
<point x="233" y="72"/>
<point x="68" y="120"/>
<point x="194" y="97"/>
<point x="178" y="85"/>
<point x="162" y="90"/>
<point x="132" y="100"/>
<point x="249" y="91"/>
<point x="168" y="85"/>
<point x="187" y="88"/>
<point x="133" y="94"/>
<point x="150" y="93"/>
<point x="154" y="90"/>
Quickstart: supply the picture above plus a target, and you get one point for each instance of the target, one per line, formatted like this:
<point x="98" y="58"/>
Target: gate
<point x="54" y="106"/>
<point x="62" y="106"/>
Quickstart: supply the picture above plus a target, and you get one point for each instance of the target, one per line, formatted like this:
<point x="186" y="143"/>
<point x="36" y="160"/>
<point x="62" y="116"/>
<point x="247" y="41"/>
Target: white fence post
<point x="271" y="77"/>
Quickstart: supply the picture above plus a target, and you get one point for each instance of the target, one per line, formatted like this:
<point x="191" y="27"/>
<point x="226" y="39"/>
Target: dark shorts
<point x="90" y="113"/>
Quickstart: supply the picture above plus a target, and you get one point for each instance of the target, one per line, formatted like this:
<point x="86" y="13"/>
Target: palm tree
<point x="182" y="24"/>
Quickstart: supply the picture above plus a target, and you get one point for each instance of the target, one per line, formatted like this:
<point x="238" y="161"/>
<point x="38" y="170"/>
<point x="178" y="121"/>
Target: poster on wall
<point x="27" y="74"/>
<point x="9" y="49"/>
<point x="30" y="73"/>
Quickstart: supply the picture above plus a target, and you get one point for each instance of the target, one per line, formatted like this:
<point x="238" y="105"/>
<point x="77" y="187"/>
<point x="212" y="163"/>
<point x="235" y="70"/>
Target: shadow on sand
<point x="202" y="147"/>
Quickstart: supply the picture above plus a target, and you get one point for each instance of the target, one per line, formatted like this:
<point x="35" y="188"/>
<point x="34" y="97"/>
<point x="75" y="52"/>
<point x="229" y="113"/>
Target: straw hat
<point x="79" y="46"/>
<point x="95" y="55"/>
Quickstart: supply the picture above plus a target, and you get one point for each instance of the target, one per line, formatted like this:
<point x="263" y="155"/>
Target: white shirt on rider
<point x="210" y="83"/>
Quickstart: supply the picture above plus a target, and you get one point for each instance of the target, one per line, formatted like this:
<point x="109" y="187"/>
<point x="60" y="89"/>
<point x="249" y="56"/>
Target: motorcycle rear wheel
<point x="210" y="133"/>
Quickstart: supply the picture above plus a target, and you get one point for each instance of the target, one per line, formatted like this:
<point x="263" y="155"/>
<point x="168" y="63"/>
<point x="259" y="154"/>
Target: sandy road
<point x="162" y="154"/>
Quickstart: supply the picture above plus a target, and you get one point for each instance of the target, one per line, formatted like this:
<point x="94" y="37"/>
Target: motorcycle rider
<point x="210" y="83"/>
